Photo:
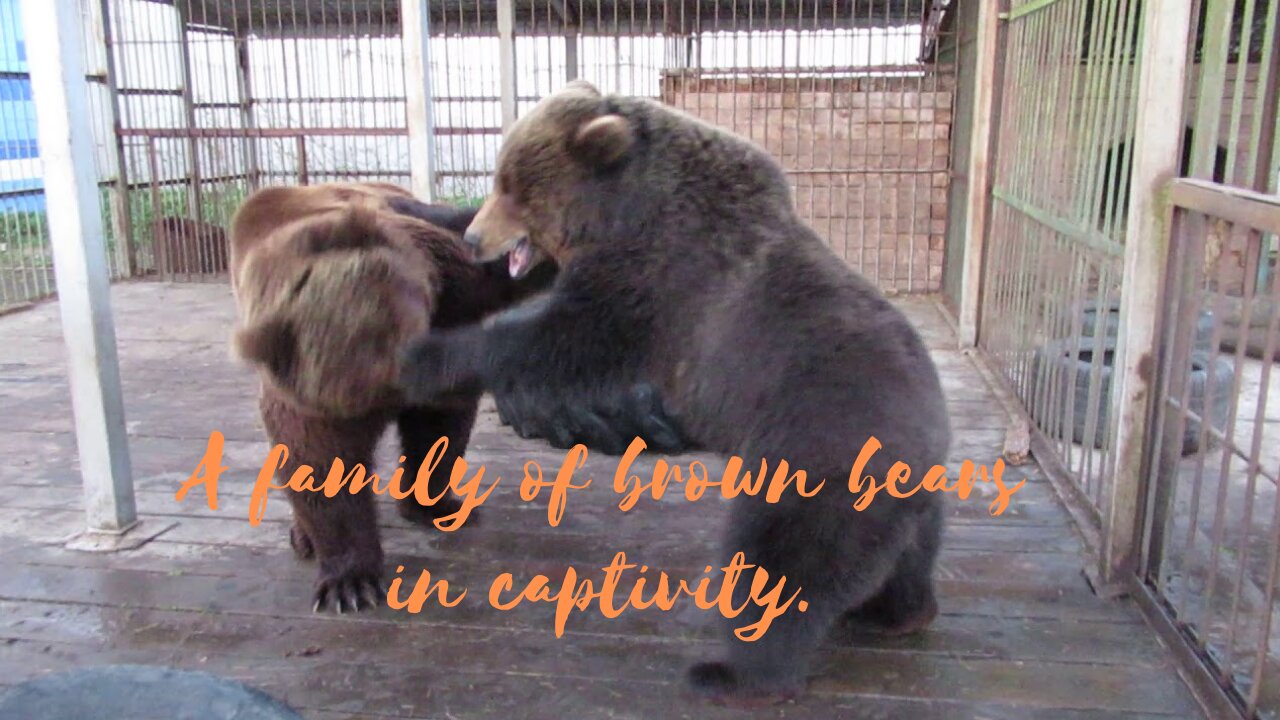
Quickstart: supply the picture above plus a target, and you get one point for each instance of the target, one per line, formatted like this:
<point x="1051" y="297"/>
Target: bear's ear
<point x="581" y="87"/>
<point x="270" y="343"/>
<point x="352" y="228"/>
<point x="603" y="141"/>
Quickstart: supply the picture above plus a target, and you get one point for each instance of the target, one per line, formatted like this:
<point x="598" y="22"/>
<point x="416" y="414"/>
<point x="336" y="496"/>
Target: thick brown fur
<point x="330" y="283"/>
<point x="684" y="264"/>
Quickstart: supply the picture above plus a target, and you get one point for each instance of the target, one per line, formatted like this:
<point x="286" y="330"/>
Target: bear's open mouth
<point x="520" y="258"/>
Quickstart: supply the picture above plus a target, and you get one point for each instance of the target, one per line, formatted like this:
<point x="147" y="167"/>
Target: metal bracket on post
<point x="415" y="21"/>
<point x="56" y="61"/>
<point x="1158" y="133"/>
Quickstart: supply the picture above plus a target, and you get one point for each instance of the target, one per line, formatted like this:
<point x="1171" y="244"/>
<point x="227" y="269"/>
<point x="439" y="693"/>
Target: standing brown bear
<point x="683" y="264"/>
<point x="331" y="281"/>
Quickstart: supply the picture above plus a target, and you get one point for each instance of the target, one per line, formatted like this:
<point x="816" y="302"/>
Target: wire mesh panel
<point x="221" y="96"/>
<point x="26" y="260"/>
<point x="1213" y="552"/>
<point x="846" y="95"/>
<point x="1213" y="519"/>
<point x="1050" y="305"/>
<point x="854" y="103"/>
<point x="1231" y="113"/>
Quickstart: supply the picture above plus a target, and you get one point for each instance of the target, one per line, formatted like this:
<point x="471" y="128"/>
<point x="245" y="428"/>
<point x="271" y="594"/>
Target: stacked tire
<point x="1053" y="363"/>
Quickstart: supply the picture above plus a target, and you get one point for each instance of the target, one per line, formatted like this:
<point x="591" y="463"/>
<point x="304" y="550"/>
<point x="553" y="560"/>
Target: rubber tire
<point x="1074" y="378"/>
<point x="1089" y="321"/>
<point x="139" y="692"/>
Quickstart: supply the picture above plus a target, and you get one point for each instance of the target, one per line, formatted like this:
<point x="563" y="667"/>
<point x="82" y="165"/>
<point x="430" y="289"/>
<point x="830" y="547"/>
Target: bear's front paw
<point x="437" y="367"/>
<point x="348" y="582"/>
<point x="603" y="421"/>
<point x="718" y="683"/>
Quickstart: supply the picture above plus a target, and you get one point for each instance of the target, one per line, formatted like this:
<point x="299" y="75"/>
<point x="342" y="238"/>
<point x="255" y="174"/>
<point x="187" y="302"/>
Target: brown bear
<point x="683" y="264"/>
<point x="330" y="281"/>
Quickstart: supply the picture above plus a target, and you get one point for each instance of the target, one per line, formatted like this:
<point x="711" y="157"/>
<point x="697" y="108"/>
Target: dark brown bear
<point x="330" y="282"/>
<point x="683" y="264"/>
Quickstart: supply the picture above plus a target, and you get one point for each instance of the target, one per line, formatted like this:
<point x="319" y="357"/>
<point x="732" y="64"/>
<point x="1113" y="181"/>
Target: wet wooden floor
<point x="1021" y="636"/>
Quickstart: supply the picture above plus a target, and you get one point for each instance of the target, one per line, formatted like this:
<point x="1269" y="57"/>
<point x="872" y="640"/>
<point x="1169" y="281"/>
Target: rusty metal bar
<point x="1234" y="204"/>
<point x="160" y="260"/>
<point x="778" y="72"/>
<point x="1088" y="236"/>
<point x="1216" y="699"/>
<point x="182" y="134"/>
<point x="188" y="98"/>
<point x="303" y="175"/>
<point x="1205" y="582"/>
<point x="244" y="88"/>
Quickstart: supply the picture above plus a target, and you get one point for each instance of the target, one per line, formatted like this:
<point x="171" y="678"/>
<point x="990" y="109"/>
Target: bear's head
<point x="565" y="138"/>
<point x="327" y="303"/>
<point x="582" y="168"/>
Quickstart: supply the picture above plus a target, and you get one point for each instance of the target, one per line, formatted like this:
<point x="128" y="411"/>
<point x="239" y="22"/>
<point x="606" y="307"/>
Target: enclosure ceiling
<point x="330" y="18"/>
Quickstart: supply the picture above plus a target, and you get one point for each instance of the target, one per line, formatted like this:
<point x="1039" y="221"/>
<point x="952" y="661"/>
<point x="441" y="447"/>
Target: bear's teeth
<point x="518" y="258"/>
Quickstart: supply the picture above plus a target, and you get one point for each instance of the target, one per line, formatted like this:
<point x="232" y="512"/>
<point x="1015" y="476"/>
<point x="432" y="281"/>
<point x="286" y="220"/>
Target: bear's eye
<point x="504" y="181"/>
<point x="300" y="283"/>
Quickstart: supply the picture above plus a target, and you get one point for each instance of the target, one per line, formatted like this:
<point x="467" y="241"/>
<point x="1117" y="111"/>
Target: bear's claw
<point x="348" y="594"/>
<point x="349" y="582"/>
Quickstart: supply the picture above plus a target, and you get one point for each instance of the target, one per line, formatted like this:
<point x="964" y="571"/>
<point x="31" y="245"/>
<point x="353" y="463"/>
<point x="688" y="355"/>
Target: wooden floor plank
<point x="1021" y="635"/>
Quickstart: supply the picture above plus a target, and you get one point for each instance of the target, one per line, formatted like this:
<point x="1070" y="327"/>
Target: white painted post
<point x="570" y="54"/>
<point x="1159" y="126"/>
<point x="54" y="55"/>
<point x="415" y="25"/>
<point x="507" y="61"/>
<point x="978" y="181"/>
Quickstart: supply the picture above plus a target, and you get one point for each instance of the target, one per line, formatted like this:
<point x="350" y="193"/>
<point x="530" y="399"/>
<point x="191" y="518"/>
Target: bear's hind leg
<point x="420" y="429"/>
<point x="832" y="573"/>
<point x="342" y="534"/>
<point x="907" y="603"/>
<point x="300" y="541"/>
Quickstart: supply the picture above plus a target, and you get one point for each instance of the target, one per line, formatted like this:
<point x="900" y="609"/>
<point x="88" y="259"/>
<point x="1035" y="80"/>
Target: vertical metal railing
<point x="1055" y="243"/>
<point x="857" y="103"/>
<point x="1212" y="544"/>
